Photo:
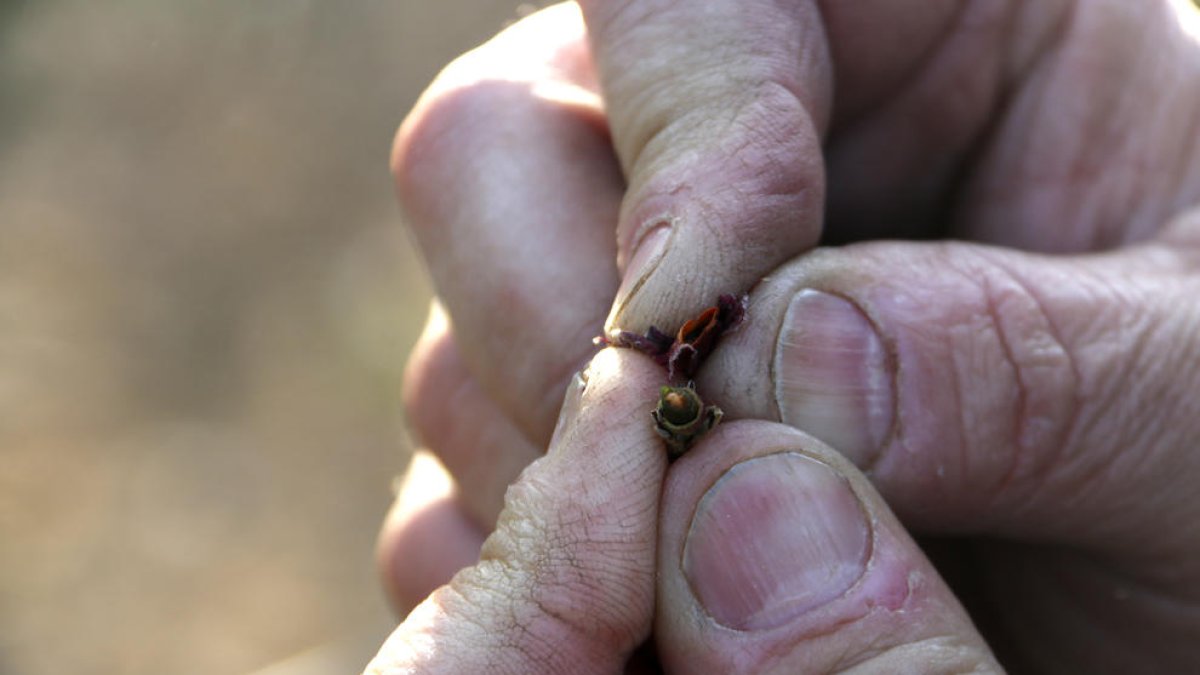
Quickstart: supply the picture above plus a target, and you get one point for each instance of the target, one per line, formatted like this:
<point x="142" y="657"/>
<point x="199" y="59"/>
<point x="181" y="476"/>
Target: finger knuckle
<point x="776" y="144"/>
<point x="430" y="384"/>
<point x="745" y="173"/>
<point x="1032" y="385"/>
<point x="760" y="131"/>
<point x="429" y="147"/>
<point x="456" y="115"/>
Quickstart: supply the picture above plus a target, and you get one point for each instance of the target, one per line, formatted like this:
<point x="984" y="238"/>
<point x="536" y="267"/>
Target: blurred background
<point x="206" y="300"/>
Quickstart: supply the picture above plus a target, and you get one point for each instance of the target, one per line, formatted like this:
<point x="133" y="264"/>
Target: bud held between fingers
<point x="681" y="416"/>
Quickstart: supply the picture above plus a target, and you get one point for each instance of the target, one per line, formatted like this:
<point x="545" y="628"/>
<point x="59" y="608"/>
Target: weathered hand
<point x="1006" y="394"/>
<point x="771" y="553"/>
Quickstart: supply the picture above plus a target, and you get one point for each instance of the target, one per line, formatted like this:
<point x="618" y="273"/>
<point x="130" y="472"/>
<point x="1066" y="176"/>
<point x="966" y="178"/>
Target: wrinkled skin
<point x="1023" y="390"/>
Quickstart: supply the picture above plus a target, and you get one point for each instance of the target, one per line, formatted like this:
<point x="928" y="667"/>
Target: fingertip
<point x="565" y="583"/>
<point x="604" y="437"/>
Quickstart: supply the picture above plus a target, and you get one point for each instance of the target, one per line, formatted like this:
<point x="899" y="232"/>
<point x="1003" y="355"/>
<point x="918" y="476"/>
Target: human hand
<point x="1033" y="398"/>
<point x="771" y="553"/>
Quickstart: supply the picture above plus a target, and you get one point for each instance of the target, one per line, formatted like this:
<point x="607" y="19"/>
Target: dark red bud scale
<point x="681" y="416"/>
<point x="695" y="340"/>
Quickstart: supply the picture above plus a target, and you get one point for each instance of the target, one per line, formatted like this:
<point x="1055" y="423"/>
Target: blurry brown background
<point x="206" y="298"/>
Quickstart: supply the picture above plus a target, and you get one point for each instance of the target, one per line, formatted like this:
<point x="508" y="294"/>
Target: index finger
<point x="717" y="111"/>
<point x="720" y="110"/>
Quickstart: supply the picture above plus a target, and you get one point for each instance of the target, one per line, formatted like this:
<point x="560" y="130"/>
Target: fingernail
<point x="649" y="252"/>
<point x="831" y="375"/>
<point x="773" y="539"/>
<point x="572" y="402"/>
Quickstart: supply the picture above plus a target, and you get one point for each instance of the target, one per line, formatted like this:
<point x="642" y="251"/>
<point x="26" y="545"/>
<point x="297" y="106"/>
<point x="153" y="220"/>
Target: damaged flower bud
<point x="683" y="354"/>
<point x="681" y="418"/>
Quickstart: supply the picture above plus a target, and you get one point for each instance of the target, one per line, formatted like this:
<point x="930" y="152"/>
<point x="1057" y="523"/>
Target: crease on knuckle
<point x="1118" y="348"/>
<point x="1047" y="377"/>
<point x="1043" y="407"/>
<point x="1139" y="410"/>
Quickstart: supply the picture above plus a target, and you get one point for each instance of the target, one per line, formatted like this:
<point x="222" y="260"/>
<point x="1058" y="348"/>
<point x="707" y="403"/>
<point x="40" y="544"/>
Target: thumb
<point x="566" y="581"/>
<point x="992" y="391"/>
<point x="777" y="555"/>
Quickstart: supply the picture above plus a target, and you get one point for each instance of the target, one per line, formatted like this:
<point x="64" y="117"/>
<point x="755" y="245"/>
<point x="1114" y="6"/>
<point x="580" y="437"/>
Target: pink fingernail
<point x="775" y="538"/>
<point x="831" y="375"/>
